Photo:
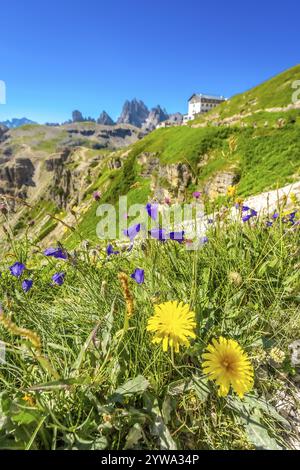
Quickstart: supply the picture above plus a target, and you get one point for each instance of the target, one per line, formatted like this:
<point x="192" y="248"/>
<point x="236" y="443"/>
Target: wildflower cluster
<point x="18" y="268"/>
<point x="286" y="217"/>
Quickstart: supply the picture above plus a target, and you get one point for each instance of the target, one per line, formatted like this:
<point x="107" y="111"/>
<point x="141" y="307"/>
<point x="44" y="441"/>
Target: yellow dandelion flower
<point x="172" y="324"/>
<point x="231" y="191"/>
<point x="227" y="364"/>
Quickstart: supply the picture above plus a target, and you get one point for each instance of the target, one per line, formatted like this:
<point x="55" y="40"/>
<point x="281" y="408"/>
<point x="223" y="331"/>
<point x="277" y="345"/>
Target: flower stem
<point x="172" y="356"/>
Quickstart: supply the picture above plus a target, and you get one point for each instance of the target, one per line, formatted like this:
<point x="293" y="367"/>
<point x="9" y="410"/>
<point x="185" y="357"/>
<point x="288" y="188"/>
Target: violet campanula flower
<point x="178" y="236"/>
<point x="138" y="275"/>
<point x="110" y="250"/>
<point x="58" y="278"/>
<point x="132" y="231"/>
<point x="17" y="269"/>
<point x="27" y="285"/>
<point x="152" y="210"/>
<point x="56" y="253"/>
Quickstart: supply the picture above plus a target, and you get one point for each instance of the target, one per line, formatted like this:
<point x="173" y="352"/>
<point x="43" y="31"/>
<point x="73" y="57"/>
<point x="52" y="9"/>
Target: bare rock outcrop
<point x="3" y="133"/>
<point x="16" y="176"/>
<point x="105" y="120"/>
<point x="172" y="179"/>
<point x="155" y="116"/>
<point x="134" y="112"/>
<point x="218" y="184"/>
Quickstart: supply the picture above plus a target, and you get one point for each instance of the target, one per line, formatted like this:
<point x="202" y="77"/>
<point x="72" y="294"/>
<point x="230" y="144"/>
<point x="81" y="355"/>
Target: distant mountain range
<point x="16" y="122"/>
<point x="134" y="112"/>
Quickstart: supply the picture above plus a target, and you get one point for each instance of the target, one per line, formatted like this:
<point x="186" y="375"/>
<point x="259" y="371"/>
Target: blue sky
<point x="56" y="56"/>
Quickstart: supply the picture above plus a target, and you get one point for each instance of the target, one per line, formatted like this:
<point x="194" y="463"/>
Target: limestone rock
<point x="16" y="176"/>
<point x="105" y="119"/>
<point x="155" y="116"/>
<point x="77" y="116"/>
<point x="218" y="184"/>
<point x="134" y="112"/>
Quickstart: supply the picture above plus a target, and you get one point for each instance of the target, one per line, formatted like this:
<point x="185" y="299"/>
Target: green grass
<point x="80" y="384"/>
<point x="50" y="145"/>
<point x="269" y="159"/>
<point x="28" y="127"/>
<point x="98" y="381"/>
<point x="264" y="158"/>
<point x="181" y="144"/>
<point x="273" y="93"/>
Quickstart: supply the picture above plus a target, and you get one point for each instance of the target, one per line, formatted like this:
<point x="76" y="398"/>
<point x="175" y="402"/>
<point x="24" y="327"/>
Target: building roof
<point x="208" y="97"/>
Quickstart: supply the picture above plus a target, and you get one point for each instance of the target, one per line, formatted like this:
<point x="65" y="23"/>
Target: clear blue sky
<point x="59" y="55"/>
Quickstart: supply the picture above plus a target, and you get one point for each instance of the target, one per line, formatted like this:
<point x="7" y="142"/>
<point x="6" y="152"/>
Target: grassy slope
<point x="264" y="158"/>
<point x="276" y="92"/>
<point x="243" y="284"/>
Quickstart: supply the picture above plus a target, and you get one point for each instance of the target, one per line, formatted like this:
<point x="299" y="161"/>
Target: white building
<point x="199" y="104"/>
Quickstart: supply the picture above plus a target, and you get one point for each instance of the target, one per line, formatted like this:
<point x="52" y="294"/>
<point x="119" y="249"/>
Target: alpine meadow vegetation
<point x="161" y="342"/>
<point x="153" y="346"/>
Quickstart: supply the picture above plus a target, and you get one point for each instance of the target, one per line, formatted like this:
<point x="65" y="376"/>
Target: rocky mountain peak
<point x="176" y="118"/>
<point x="77" y="116"/>
<point x="16" y="122"/>
<point x="105" y="119"/>
<point x="156" y="115"/>
<point x="134" y="112"/>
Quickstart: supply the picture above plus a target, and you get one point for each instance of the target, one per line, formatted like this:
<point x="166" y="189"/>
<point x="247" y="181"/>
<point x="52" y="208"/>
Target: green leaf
<point x="84" y="443"/>
<point x="258" y="434"/>
<point x="263" y="405"/>
<point x="108" y="323"/>
<point x="26" y="416"/>
<point x="249" y="411"/>
<point x="160" y="429"/>
<point x="80" y="358"/>
<point x="179" y="387"/>
<point x="60" y="384"/>
<point x="200" y="387"/>
<point x="133" y="437"/>
<point x="137" y="385"/>
<point x="100" y="443"/>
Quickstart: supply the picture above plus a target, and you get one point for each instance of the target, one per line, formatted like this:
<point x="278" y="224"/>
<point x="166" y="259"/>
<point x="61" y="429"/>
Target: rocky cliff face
<point x="16" y="176"/>
<point x="3" y="132"/>
<point x="166" y="180"/>
<point x="62" y="183"/>
<point x="105" y="119"/>
<point x="176" y="118"/>
<point x="39" y="160"/>
<point x="218" y="184"/>
<point x="134" y="112"/>
<point x="77" y="116"/>
<point x="155" y="116"/>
